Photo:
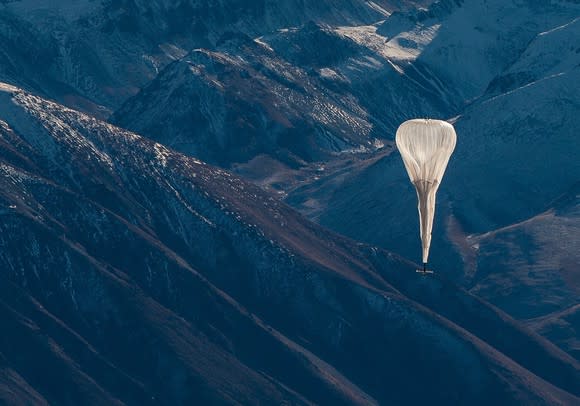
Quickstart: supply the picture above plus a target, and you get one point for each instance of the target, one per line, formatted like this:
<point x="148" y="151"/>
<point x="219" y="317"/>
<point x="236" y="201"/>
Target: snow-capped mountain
<point x="145" y="276"/>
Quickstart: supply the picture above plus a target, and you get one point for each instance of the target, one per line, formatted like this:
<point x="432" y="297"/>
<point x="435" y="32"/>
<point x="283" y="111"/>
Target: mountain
<point x="138" y="275"/>
<point x="226" y="108"/>
<point x="281" y="97"/>
<point x="505" y="73"/>
<point x="93" y="55"/>
<point x="135" y="274"/>
<point x="323" y="88"/>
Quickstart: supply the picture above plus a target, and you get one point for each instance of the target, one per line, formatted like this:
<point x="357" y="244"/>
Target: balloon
<point x="426" y="146"/>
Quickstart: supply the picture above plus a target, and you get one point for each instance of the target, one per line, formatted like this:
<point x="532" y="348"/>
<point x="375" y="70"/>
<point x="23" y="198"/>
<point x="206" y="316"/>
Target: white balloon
<point x="426" y="146"/>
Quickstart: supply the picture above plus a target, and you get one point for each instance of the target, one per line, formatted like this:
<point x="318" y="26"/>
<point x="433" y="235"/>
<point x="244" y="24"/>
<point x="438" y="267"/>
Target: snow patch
<point x="378" y="8"/>
<point x="261" y="42"/>
<point x="5" y="87"/>
<point x="561" y="27"/>
<point x="161" y="154"/>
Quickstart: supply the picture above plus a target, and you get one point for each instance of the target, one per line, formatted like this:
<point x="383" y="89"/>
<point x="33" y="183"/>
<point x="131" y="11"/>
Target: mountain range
<point x="202" y="203"/>
<point x="142" y="275"/>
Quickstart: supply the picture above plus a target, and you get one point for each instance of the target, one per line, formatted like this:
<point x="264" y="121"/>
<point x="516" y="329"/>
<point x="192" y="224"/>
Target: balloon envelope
<point x="426" y="146"/>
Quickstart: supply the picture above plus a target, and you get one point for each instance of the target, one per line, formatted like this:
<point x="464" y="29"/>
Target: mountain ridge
<point x="315" y="275"/>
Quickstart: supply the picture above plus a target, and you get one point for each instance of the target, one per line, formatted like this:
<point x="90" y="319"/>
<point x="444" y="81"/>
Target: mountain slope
<point x="476" y="40"/>
<point x="150" y="276"/>
<point x="539" y="262"/>
<point x="562" y="328"/>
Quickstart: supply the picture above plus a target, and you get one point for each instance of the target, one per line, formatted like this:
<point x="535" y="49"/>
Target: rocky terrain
<point x="93" y="55"/>
<point x="133" y="272"/>
<point x="142" y="275"/>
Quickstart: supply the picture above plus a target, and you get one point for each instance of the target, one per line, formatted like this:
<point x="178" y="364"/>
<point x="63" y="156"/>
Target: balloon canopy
<point x="426" y="146"/>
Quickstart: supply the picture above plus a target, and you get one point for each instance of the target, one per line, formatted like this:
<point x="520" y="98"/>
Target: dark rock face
<point x="137" y="275"/>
